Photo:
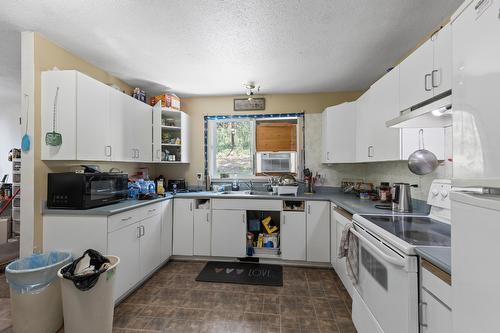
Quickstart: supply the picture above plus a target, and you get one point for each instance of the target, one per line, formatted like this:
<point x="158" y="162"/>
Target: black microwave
<point x="69" y="190"/>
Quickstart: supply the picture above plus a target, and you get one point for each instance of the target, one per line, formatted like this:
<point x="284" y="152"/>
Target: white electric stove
<point x="385" y="299"/>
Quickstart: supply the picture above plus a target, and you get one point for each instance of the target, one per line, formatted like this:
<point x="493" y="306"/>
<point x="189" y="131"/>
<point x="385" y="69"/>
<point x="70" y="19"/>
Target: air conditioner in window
<point x="271" y="162"/>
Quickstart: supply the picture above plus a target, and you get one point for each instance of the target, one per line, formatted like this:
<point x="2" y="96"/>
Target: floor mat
<point x="242" y="273"/>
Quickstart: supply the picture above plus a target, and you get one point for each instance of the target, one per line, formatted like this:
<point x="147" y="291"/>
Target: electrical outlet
<point x="199" y="176"/>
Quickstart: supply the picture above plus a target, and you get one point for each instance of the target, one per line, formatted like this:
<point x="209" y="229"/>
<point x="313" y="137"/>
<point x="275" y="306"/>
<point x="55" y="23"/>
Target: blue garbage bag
<point x="32" y="274"/>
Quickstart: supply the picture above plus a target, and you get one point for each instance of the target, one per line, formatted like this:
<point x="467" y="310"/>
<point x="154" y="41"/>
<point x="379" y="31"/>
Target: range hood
<point x="435" y="112"/>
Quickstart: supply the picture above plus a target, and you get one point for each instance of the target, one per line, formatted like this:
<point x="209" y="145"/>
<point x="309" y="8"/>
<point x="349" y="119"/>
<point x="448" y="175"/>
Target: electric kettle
<point x="401" y="197"/>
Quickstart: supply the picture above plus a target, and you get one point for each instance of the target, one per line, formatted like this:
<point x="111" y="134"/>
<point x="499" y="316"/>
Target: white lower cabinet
<point x="150" y="244"/>
<point x="140" y="237"/>
<point x="202" y="229"/>
<point x="435" y="316"/>
<point x="125" y="243"/>
<point x="293" y="236"/>
<point x="229" y="233"/>
<point x="318" y="231"/>
<point x="435" y="299"/>
<point x="166" y="229"/>
<point x="183" y="227"/>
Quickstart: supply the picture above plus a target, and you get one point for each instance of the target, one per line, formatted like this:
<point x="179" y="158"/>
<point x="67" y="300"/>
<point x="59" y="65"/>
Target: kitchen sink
<point x="247" y="192"/>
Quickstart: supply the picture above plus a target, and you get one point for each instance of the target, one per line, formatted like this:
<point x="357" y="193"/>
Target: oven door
<point x="386" y="297"/>
<point x="104" y="189"/>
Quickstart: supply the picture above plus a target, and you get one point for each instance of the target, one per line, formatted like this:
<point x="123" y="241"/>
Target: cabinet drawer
<point x="247" y="204"/>
<point x="437" y="282"/>
<point x="132" y="216"/>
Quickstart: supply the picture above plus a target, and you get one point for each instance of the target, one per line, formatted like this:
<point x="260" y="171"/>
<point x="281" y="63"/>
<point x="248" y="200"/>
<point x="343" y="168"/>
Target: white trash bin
<point x="35" y="292"/>
<point x="91" y="310"/>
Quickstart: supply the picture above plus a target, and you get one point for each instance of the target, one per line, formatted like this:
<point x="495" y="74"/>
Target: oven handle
<point x="392" y="260"/>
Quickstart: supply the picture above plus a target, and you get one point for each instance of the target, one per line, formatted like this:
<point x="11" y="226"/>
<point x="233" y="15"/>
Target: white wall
<point x="10" y="136"/>
<point x="10" y="95"/>
<point x="376" y="172"/>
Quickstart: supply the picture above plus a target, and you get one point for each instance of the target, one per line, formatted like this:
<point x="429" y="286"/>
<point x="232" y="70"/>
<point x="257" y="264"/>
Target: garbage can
<point x="35" y="292"/>
<point x="89" y="307"/>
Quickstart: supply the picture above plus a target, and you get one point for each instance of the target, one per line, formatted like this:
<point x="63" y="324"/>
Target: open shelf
<point x="265" y="244"/>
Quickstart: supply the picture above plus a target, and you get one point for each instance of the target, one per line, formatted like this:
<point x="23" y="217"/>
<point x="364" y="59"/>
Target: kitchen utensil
<point x="401" y="197"/>
<point x="53" y="138"/>
<point x="422" y="161"/>
<point x="25" y="141"/>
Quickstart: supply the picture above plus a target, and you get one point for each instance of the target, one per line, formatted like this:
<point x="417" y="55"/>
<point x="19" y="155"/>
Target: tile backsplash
<point x="374" y="172"/>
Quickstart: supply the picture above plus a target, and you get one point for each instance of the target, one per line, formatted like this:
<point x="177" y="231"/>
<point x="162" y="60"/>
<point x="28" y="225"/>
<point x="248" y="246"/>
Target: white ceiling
<point x="210" y="47"/>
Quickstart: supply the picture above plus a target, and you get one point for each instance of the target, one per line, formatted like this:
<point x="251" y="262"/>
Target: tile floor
<point x="311" y="300"/>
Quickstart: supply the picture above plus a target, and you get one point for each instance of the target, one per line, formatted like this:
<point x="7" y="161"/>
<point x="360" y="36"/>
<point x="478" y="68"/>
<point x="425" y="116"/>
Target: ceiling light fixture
<point x="250" y="87"/>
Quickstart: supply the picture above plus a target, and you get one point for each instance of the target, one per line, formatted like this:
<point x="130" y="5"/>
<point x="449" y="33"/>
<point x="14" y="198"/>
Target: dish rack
<point x="355" y="186"/>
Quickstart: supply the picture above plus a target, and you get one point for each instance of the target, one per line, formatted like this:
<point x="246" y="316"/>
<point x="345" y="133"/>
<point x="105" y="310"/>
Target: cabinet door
<point x="185" y="137"/>
<point x="415" y="73"/>
<point x="202" y="232"/>
<point x="327" y="134"/>
<point x="341" y="127"/>
<point x="434" y="140"/>
<point x="384" y="104"/>
<point x="435" y="316"/>
<point x="364" y="128"/>
<point x="442" y="73"/>
<point x="124" y="243"/>
<point x="318" y="231"/>
<point x="166" y="229"/>
<point x="120" y="133"/>
<point x="150" y="244"/>
<point x="182" y="239"/>
<point x="293" y="236"/>
<point x="65" y="117"/>
<point x="333" y="237"/>
<point x="157" y="132"/>
<point x="229" y="233"/>
<point x="142" y="117"/>
<point x="92" y="120"/>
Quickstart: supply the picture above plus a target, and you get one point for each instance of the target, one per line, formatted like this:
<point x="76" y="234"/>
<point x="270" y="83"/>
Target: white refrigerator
<point x="475" y="207"/>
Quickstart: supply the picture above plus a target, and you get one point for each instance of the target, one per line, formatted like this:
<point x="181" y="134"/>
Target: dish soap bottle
<point x="235" y="186"/>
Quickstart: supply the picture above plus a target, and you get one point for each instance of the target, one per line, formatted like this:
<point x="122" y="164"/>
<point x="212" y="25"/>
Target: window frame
<point x="210" y="135"/>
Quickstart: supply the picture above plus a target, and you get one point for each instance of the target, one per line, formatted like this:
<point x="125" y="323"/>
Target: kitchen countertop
<point x="348" y="201"/>
<point x="437" y="255"/>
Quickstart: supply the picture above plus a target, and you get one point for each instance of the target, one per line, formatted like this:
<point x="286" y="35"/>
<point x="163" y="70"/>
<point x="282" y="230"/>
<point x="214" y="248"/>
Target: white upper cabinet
<point x="384" y="104"/>
<point x="339" y="133"/>
<point x="171" y="134"/>
<point x="427" y="71"/>
<point x="61" y="120"/>
<point x="157" y="129"/>
<point x="92" y="119"/>
<point x="415" y="77"/>
<point x="97" y="122"/>
<point x="131" y="127"/>
<point x="364" y="128"/>
<point x="442" y="72"/>
<point x="119" y="127"/>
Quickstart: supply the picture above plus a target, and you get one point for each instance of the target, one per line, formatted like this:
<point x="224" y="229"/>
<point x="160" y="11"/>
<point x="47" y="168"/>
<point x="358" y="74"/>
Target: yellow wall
<point x="47" y="56"/>
<point x="198" y="107"/>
